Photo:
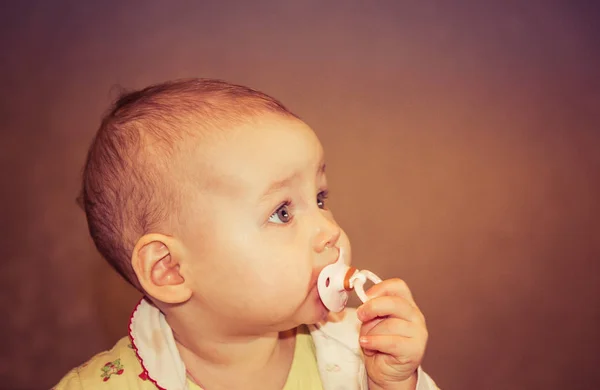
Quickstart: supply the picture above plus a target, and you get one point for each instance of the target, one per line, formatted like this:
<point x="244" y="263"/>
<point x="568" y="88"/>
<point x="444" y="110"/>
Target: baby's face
<point x="258" y="229"/>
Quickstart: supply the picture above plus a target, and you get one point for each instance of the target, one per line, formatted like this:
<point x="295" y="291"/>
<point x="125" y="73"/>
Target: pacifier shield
<point x="330" y="285"/>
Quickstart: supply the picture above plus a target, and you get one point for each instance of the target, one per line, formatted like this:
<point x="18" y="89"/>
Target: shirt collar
<point x="154" y="345"/>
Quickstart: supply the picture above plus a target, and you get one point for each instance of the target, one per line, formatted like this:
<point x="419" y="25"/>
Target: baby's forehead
<point x="250" y="157"/>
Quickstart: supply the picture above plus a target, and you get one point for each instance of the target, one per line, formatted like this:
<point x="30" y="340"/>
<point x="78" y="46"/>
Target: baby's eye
<point x="321" y="197"/>
<point x="281" y="215"/>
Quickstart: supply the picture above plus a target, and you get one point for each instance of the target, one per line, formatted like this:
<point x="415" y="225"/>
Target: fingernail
<point x="363" y="340"/>
<point x="368" y="352"/>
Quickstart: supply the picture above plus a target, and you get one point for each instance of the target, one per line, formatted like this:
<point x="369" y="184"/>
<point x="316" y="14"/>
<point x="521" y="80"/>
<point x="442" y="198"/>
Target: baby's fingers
<point x="391" y="326"/>
<point x="394" y="286"/>
<point x="389" y="306"/>
<point x="403" y="349"/>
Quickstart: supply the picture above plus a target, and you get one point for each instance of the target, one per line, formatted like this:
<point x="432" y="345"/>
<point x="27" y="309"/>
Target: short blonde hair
<point x="124" y="193"/>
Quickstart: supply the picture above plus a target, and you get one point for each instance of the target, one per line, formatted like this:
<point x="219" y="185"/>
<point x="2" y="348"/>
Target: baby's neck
<point x="234" y="362"/>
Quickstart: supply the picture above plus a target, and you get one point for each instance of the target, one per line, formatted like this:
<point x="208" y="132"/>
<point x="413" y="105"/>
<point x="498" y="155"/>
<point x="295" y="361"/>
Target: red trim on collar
<point x="145" y="374"/>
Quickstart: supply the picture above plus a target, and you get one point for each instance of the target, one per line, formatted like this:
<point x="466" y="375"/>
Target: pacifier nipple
<point x="337" y="279"/>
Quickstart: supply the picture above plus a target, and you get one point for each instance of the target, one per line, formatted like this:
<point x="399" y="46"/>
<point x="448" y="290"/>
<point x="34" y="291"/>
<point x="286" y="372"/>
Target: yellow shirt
<point x="304" y="373"/>
<point x="119" y="368"/>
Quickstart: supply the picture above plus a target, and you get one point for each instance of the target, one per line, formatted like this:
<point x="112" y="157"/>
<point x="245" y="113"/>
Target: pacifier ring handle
<point x="359" y="280"/>
<point x="371" y="276"/>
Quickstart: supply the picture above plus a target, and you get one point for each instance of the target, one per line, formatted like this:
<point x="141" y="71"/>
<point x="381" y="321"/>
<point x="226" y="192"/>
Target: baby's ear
<point x="156" y="261"/>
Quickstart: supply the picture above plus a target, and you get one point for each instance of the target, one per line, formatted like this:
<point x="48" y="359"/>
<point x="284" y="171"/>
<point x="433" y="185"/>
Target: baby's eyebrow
<point x="321" y="168"/>
<point x="280" y="184"/>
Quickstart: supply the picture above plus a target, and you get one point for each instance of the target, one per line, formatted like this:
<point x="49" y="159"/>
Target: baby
<point x="211" y="199"/>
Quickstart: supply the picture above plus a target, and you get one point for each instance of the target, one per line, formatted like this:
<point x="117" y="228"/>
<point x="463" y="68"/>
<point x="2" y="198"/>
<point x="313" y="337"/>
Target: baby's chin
<point x="308" y="312"/>
<point x="319" y="315"/>
<point x="312" y="310"/>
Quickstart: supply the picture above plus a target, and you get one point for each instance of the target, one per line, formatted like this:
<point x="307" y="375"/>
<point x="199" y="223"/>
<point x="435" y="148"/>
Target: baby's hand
<point x="393" y="336"/>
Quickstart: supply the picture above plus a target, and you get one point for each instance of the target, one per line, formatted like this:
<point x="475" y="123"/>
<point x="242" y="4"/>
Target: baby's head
<point x="212" y="197"/>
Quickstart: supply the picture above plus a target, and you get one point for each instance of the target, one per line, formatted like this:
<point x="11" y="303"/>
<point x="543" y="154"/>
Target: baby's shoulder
<point x="117" y="368"/>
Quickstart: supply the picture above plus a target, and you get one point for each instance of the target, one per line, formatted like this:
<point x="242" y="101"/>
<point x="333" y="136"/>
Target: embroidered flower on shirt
<point x="110" y="369"/>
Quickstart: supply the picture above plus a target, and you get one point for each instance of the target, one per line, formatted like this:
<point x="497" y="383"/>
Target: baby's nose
<point x="327" y="238"/>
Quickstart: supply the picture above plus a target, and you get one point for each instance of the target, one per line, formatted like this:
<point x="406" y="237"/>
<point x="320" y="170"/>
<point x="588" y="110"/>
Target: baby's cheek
<point x="288" y="284"/>
<point x="288" y="279"/>
<point x="298" y="283"/>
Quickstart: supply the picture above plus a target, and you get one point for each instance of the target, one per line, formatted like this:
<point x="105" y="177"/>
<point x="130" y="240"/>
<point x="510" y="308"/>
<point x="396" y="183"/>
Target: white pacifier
<point x="337" y="279"/>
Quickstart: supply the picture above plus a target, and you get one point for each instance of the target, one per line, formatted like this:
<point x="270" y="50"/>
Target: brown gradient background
<point x="463" y="154"/>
